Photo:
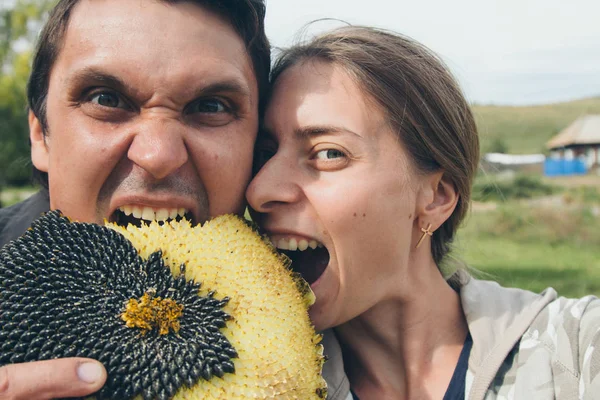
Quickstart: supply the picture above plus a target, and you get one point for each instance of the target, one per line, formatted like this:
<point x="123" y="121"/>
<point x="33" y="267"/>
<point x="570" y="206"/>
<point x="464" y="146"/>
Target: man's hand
<point x="41" y="380"/>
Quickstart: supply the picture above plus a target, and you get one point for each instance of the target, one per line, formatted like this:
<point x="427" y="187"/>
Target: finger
<point x="67" y="377"/>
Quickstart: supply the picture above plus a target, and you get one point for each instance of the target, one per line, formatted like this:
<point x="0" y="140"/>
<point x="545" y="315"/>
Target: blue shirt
<point x="456" y="388"/>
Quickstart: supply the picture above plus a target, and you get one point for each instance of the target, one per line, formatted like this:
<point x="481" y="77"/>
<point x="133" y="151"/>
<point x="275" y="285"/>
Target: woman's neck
<point x="406" y="347"/>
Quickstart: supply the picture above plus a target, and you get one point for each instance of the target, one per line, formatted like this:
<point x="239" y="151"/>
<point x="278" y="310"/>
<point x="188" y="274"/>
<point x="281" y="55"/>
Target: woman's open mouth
<point x="309" y="257"/>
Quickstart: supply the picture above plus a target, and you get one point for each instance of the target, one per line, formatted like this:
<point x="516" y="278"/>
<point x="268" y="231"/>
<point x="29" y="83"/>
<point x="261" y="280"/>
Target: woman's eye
<point x="108" y="99"/>
<point x="329" y="154"/>
<point x="211" y="106"/>
<point x="330" y="159"/>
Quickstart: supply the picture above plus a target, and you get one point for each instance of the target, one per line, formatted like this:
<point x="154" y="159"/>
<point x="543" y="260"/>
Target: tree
<point x="19" y="25"/>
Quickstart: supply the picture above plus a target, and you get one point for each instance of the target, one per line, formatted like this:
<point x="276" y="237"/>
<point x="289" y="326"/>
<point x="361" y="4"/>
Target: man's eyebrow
<point x="91" y="74"/>
<point x="307" y="132"/>
<point x="225" y="86"/>
<point x="99" y="77"/>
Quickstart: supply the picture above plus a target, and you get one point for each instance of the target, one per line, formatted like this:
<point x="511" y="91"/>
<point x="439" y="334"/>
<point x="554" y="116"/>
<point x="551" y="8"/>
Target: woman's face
<point x="334" y="188"/>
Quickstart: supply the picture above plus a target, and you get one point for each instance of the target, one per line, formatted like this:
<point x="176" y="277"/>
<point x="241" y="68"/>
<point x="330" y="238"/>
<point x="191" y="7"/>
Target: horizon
<point x="555" y="103"/>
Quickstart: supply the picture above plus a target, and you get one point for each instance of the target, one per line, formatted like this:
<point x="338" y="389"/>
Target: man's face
<point x="151" y="111"/>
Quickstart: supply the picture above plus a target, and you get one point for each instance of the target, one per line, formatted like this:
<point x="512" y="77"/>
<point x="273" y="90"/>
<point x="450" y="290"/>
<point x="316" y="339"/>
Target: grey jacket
<point x="525" y="345"/>
<point x="338" y="386"/>
<point x="15" y="220"/>
<point x="530" y="346"/>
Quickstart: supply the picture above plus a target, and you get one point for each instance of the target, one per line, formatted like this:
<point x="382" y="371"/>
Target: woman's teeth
<point x="309" y="258"/>
<point x="294" y="244"/>
<point x="151" y="214"/>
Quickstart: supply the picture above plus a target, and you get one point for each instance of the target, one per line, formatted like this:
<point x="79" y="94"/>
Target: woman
<point x="366" y="160"/>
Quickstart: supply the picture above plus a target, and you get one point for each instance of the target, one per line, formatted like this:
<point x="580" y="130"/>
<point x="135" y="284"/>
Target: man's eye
<point x="108" y="99"/>
<point x="329" y="154"/>
<point x="211" y="111"/>
<point x="211" y="106"/>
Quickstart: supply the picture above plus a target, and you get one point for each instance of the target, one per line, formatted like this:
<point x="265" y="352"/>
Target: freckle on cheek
<point x="364" y="215"/>
<point x="409" y="216"/>
<point x="355" y="214"/>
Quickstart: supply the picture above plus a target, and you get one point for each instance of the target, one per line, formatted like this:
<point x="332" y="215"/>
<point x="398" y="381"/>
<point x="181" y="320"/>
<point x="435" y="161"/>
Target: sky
<point x="504" y="52"/>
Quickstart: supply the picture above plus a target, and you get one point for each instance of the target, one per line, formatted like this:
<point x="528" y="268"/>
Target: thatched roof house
<point x="584" y="131"/>
<point x="580" y="140"/>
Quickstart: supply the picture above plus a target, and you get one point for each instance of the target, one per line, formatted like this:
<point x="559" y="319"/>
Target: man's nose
<point x="158" y="147"/>
<point x="275" y="184"/>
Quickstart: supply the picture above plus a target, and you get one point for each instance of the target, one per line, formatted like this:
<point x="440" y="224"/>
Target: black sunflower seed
<point x="64" y="289"/>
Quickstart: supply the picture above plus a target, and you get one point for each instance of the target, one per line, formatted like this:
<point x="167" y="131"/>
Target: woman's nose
<point x="159" y="148"/>
<point x="276" y="183"/>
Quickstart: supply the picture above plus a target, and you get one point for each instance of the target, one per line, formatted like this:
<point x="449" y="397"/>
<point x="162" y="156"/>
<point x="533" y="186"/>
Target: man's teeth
<point x="151" y="214"/>
<point x="294" y="244"/>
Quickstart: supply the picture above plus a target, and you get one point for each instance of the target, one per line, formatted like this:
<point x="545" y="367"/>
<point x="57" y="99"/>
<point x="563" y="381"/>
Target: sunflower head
<point x="171" y="310"/>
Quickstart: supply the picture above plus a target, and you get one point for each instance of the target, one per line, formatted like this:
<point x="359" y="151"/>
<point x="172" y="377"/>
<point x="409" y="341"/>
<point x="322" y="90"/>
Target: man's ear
<point x="39" y="149"/>
<point x="437" y="201"/>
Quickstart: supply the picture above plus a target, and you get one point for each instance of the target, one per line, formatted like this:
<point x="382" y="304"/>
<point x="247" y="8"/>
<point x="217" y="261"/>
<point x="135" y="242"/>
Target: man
<point x="151" y="104"/>
<point x="139" y="110"/>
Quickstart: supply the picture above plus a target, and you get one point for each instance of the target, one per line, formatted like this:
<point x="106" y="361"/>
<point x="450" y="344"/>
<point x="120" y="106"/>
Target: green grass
<point x="12" y="195"/>
<point x="573" y="272"/>
<point x="526" y="129"/>
<point x="534" y="248"/>
<point x="493" y="188"/>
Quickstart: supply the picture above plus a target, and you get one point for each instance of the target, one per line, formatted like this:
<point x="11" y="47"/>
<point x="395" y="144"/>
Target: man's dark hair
<point x="246" y="17"/>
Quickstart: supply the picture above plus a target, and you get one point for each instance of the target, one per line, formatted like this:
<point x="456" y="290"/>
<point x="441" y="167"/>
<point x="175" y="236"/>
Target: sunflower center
<point x="151" y="312"/>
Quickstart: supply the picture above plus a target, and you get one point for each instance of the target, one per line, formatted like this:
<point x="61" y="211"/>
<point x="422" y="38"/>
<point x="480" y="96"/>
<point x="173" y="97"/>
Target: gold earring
<point x="425" y="233"/>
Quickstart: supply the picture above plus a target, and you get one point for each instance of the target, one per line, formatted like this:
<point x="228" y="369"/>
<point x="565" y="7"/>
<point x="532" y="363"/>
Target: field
<point x="523" y="130"/>
<point x="13" y="195"/>
<point x="530" y="232"/>
<point x="536" y="242"/>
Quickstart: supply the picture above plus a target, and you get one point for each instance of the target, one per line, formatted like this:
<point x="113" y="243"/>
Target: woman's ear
<point x="437" y="200"/>
<point x="39" y="149"/>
